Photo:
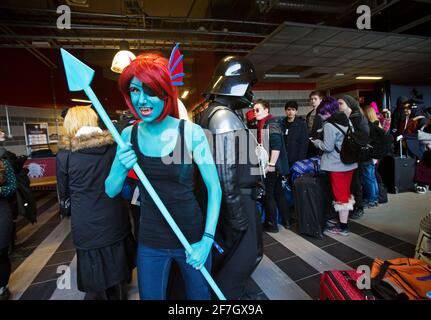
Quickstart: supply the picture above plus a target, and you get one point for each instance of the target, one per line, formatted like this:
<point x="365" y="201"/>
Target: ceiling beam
<point x="139" y="17"/>
<point x="115" y="47"/>
<point x="412" y="24"/>
<point x="142" y="30"/>
<point x="33" y="37"/>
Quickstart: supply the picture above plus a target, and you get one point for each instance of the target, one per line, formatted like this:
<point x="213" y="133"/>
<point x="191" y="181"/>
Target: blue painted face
<point x="147" y="105"/>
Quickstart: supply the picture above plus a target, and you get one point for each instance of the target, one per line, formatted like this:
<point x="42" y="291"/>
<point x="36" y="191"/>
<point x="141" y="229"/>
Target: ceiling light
<point x="339" y="74"/>
<point x="122" y="58"/>
<point x="81" y="100"/>
<point x="78" y="3"/>
<point x="369" y="78"/>
<point x="281" y="75"/>
<point x="185" y="94"/>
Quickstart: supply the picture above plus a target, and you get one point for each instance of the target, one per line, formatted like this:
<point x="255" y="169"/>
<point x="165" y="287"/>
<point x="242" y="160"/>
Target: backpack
<point x="380" y="141"/>
<point x="354" y="148"/>
<point x="402" y="278"/>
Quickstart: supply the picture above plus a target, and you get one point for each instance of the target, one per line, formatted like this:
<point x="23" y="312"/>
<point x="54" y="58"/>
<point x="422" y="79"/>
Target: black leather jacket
<point x="235" y="159"/>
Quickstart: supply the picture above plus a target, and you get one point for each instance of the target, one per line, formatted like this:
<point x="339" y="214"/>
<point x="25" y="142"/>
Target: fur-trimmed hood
<point x="89" y="141"/>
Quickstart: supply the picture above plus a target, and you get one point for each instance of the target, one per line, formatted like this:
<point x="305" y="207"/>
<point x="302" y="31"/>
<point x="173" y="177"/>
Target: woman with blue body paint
<point x="167" y="149"/>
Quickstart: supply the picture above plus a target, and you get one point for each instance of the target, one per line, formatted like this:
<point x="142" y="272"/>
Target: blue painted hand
<point x="200" y="253"/>
<point x="127" y="157"/>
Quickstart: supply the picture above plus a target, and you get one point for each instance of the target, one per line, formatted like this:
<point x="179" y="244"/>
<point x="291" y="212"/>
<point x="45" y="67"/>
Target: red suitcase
<point x="341" y="285"/>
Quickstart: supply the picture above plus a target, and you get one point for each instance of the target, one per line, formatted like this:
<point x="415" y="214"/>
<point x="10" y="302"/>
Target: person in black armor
<point x="239" y="229"/>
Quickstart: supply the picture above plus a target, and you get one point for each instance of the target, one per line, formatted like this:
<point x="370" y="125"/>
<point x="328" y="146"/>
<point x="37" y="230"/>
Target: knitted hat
<point x="351" y="102"/>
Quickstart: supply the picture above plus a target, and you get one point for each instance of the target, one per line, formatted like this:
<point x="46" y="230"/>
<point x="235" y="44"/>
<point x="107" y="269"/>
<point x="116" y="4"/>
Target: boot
<point x="4" y="293"/>
<point x="117" y="292"/>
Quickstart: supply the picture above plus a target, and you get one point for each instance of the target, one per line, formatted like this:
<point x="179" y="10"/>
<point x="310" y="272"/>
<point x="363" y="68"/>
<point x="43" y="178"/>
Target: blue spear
<point x="79" y="77"/>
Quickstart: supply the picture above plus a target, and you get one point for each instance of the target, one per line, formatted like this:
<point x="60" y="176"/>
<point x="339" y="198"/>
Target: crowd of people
<point x="321" y="134"/>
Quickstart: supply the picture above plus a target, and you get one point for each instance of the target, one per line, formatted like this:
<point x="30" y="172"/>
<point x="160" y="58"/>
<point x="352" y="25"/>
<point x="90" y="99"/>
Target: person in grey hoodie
<point x="340" y="174"/>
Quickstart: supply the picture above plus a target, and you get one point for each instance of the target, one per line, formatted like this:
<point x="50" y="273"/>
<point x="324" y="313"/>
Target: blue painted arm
<point x="124" y="160"/>
<point x="202" y="156"/>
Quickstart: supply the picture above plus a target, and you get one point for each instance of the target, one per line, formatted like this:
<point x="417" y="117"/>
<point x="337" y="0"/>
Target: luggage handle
<point x="401" y="148"/>
<point x="316" y="168"/>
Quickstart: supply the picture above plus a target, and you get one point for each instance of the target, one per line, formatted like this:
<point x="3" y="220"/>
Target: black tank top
<point x="175" y="186"/>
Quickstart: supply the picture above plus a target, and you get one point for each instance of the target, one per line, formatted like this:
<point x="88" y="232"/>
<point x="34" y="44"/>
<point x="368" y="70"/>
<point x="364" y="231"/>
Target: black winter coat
<point x="296" y="139"/>
<point x="83" y="164"/>
<point x="360" y="124"/>
<point x="276" y="142"/>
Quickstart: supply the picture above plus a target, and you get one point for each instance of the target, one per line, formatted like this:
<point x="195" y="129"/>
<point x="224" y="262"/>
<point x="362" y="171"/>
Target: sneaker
<point x="271" y="228"/>
<point x="4" y="293"/>
<point x="356" y="213"/>
<point x="333" y="230"/>
<point x="371" y="205"/>
<point x="338" y="231"/>
<point x="421" y="189"/>
<point x="344" y="232"/>
<point x="286" y="225"/>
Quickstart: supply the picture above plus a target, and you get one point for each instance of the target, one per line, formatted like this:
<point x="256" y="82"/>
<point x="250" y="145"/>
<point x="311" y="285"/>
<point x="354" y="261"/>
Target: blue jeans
<point x="369" y="181"/>
<point x="154" y="266"/>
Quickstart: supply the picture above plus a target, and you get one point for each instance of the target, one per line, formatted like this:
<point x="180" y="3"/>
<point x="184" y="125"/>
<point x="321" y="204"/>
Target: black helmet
<point x="233" y="77"/>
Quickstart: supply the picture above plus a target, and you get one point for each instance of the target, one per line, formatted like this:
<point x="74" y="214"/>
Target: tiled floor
<point x="290" y="269"/>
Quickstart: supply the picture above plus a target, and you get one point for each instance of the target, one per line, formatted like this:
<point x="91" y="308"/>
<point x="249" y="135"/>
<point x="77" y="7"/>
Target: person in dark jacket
<point x="7" y="188"/>
<point x="314" y="123"/>
<point x="100" y="225"/>
<point x="295" y="133"/>
<point x="398" y="115"/>
<point x="350" y="106"/>
<point x="277" y="168"/>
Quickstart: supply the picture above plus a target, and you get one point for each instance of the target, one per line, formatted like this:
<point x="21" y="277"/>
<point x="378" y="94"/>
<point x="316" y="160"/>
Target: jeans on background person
<point x="154" y="267"/>
<point x="369" y="182"/>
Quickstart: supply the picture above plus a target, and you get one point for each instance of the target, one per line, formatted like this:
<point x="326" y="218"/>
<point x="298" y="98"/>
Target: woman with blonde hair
<point x="371" y="115"/>
<point x="100" y="225"/>
<point x="368" y="174"/>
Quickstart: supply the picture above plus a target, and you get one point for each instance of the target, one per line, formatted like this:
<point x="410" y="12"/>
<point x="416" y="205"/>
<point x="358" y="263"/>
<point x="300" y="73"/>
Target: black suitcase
<point x="398" y="172"/>
<point x="312" y="198"/>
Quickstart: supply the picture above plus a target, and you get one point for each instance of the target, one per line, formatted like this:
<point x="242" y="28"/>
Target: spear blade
<point x="78" y="74"/>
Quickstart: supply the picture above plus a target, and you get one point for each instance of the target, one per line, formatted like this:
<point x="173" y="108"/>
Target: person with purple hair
<point x="335" y="124"/>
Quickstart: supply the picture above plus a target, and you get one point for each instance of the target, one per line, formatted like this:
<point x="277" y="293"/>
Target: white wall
<point x="354" y="94"/>
<point x="278" y="98"/>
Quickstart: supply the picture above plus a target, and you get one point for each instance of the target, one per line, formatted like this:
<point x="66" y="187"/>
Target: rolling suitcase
<point x="341" y="285"/>
<point x="398" y="172"/>
<point x="312" y="198"/>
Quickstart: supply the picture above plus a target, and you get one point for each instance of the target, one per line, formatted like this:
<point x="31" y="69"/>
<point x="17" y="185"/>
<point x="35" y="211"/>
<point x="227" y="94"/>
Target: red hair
<point x="152" y="70"/>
